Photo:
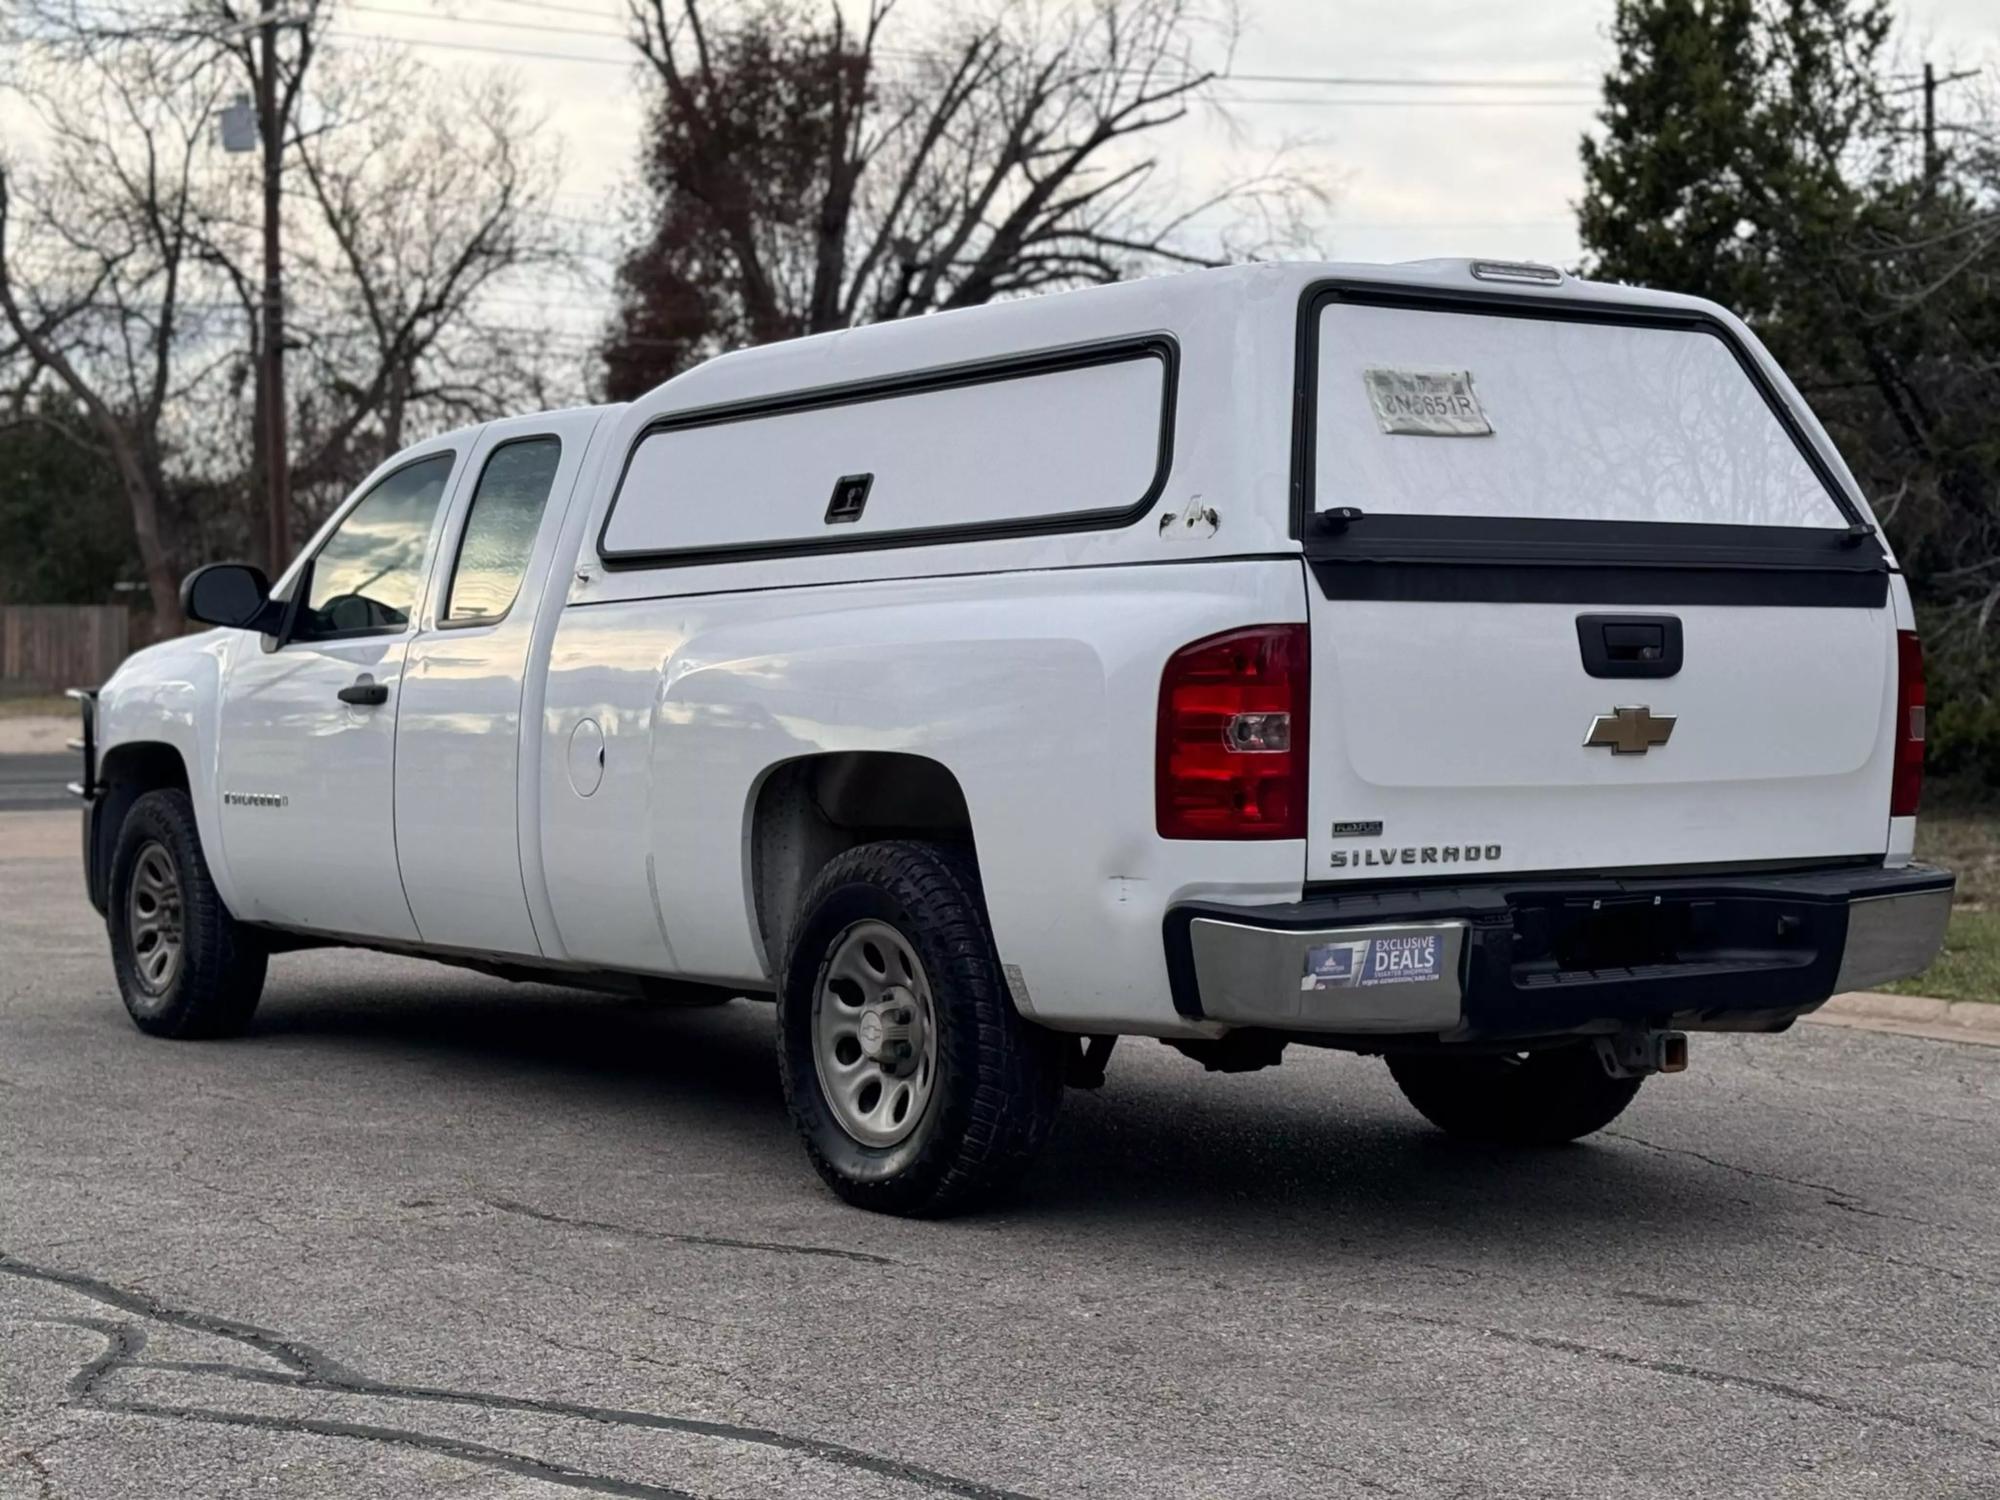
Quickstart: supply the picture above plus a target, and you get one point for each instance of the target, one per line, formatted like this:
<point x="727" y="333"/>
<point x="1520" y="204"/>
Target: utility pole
<point x="1930" y="127"/>
<point x="1933" y="157"/>
<point x="277" y="453"/>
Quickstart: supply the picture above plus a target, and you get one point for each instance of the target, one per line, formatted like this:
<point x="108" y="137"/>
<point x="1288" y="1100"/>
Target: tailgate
<point x="1453" y="735"/>
<point x="1582" y="597"/>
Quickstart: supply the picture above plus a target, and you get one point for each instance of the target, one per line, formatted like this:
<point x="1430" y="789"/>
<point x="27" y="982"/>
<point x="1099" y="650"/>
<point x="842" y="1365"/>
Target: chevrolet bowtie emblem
<point x="1629" y="731"/>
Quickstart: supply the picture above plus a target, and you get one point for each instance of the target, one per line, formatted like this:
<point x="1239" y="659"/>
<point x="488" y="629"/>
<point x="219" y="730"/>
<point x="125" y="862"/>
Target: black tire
<point x="1518" y="1099"/>
<point x="998" y="1079"/>
<point x="210" y="989"/>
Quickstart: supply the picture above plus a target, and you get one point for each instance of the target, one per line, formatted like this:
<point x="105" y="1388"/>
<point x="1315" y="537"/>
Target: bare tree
<point x="131" y="275"/>
<point x="427" y="196"/>
<point x="1928" y="262"/>
<point x="809" y="175"/>
<point x="208" y="42"/>
<point x="99" y="253"/>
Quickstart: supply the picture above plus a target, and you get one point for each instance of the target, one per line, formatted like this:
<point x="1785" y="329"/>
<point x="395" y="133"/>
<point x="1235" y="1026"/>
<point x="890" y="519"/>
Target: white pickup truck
<point x="1455" y="662"/>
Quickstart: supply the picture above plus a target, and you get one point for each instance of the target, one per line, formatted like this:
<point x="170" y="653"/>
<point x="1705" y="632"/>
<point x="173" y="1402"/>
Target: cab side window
<point x="366" y="578"/>
<point x="500" y="529"/>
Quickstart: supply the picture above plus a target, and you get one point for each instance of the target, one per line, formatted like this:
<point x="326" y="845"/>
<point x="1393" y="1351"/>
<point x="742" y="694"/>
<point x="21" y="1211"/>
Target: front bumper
<point x="1527" y="956"/>
<point x="96" y="878"/>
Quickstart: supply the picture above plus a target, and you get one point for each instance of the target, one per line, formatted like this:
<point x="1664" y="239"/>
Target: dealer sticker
<point x="1363" y="963"/>
<point x="1426" y="403"/>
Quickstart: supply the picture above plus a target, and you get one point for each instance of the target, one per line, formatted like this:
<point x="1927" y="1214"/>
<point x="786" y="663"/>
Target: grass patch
<point x="1969" y="967"/>
<point x="54" y="706"/>
<point x="1965" y="839"/>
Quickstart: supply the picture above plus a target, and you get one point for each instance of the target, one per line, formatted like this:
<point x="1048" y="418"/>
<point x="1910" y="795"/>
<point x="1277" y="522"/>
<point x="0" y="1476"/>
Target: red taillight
<point x="1232" y="741"/>
<point x="1907" y="789"/>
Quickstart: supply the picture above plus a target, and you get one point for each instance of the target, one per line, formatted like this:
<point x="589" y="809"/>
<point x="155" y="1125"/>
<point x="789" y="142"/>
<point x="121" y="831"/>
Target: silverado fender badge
<point x="1630" y="731"/>
<point x="1414" y="854"/>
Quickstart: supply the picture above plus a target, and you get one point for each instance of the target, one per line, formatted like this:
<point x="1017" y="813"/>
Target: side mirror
<point x="232" y="594"/>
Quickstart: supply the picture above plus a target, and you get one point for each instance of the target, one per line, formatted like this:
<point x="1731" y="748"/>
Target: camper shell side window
<point x="1071" y="439"/>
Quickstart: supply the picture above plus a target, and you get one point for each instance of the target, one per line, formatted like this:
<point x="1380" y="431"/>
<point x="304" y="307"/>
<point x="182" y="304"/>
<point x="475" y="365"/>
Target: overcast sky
<point x="1413" y="171"/>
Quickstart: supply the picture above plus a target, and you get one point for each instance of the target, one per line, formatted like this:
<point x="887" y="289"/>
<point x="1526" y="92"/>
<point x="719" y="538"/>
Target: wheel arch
<point x="805" y="811"/>
<point x="125" y="773"/>
<point x="156" y="722"/>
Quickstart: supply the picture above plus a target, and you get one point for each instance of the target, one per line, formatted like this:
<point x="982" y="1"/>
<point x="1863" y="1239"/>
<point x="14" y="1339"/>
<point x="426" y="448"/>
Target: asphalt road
<point x="33" y="783"/>
<point x="424" y="1233"/>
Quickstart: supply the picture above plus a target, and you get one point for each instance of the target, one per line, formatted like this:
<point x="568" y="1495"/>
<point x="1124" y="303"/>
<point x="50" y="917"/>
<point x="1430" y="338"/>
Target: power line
<point x="568" y="10"/>
<point x="1224" y="103"/>
<point x="1331" y="80"/>
<point x="538" y="54"/>
<point x="1210" y="103"/>
<point x="638" y="225"/>
<point x="1366" y="81"/>
<point x="405" y="15"/>
<point x="1327" y="80"/>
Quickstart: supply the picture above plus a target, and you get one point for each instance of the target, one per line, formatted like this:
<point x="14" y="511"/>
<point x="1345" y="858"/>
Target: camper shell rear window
<point x="1495" y="408"/>
<point x="1473" y="446"/>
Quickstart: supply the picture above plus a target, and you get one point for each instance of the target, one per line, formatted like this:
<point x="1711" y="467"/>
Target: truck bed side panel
<point x="1038" y="691"/>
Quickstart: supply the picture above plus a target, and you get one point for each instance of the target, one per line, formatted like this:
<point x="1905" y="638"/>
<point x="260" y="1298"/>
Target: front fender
<point x="170" y="696"/>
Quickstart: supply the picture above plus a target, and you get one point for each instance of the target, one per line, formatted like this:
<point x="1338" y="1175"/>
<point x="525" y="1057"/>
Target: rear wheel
<point x="1515" y="1099"/>
<point x="185" y="968"/>
<point x="917" y="1086"/>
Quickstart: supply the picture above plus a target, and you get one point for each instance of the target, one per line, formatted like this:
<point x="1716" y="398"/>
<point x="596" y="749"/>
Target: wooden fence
<point x="45" y="648"/>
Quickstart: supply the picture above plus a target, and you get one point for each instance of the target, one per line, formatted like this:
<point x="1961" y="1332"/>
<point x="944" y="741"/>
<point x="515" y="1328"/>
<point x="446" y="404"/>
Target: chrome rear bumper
<point x="1255" y="976"/>
<point x="1527" y="956"/>
<point x="1892" y="937"/>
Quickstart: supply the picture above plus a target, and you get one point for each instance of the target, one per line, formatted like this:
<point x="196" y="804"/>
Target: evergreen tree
<point x="1751" y="152"/>
<point x="65" y="535"/>
<point x="1740" y="152"/>
<point x="1665" y="203"/>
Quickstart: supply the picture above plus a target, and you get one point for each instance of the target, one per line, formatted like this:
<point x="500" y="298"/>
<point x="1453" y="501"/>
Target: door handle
<point x="365" y="691"/>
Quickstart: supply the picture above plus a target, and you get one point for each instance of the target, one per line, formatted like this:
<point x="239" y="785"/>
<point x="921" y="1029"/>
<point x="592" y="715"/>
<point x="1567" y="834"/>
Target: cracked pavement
<point x="422" y="1232"/>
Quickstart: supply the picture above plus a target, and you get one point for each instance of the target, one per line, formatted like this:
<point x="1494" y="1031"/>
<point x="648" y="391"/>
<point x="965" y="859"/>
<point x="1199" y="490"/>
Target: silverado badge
<point x="1630" y="731"/>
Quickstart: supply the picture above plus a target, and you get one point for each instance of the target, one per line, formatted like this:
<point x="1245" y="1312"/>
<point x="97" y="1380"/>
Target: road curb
<point x="1974" y="1015"/>
<point x="1914" y="1015"/>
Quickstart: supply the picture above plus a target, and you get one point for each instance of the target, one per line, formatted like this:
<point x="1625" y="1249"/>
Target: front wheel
<point x="185" y="968"/>
<point x="1514" y="1099"/>
<point x="916" y="1085"/>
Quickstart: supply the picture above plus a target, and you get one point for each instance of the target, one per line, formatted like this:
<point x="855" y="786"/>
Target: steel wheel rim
<point x="153" y="919"/>
<point x="874" y="1034"/>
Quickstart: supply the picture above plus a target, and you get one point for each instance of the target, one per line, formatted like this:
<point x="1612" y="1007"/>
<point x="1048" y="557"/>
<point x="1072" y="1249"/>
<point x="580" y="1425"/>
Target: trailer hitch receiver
<point x="1637" y="1051"/>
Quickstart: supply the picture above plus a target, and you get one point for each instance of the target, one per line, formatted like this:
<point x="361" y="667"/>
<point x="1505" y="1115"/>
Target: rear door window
<point x="500" y="530"/>
<point x="1439" y="412"/>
